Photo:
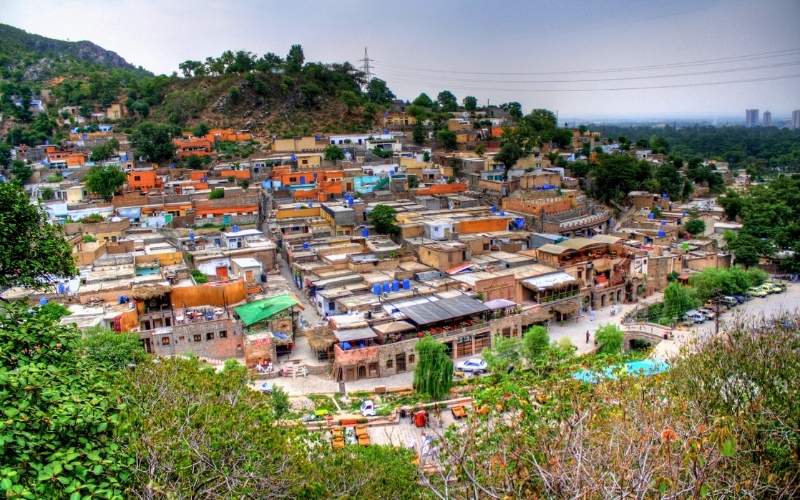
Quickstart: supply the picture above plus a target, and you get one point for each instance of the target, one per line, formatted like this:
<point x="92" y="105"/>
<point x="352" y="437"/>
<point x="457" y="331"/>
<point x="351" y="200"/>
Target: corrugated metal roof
<point x="442" y="310"/>
<point x="354" y="334"/>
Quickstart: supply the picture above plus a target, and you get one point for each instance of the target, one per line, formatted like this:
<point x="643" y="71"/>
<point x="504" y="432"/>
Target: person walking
<point x="587" y="336"/>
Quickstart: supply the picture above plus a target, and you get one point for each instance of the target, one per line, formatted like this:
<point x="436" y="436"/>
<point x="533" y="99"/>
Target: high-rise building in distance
<point x="796" y="119"/>
<point x="766" y="120"/>
<point x="750" y="117"/>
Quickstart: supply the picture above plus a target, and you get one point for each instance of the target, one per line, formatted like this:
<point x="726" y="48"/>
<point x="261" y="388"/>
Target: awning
<point x="601" y="279"/>
<point x="393" y="327"/>
<point x="260" y="310"/>
<point x="354" y="334"/>
<point x="442" y="310"/>
<point x="459" y="268"/>
<point x="551" y="280"/>
<point x="499" y="304"/>
<point x="144" y="292"/>
<point x="566" y="307"/>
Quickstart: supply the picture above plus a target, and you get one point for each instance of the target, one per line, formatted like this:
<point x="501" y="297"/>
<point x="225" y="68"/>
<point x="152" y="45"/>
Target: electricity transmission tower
<point x="366" y="67"/>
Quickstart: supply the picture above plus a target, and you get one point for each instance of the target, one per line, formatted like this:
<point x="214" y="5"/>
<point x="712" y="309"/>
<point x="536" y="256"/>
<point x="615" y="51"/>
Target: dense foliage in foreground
<point x="92" y="416"/>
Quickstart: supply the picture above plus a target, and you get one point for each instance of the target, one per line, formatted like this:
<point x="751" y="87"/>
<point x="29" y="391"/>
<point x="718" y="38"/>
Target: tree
<point x="383" y="217"/>
<point x="448" y="139"/>
<point x="413" y="182"/>
<point x="535" y="343"/>
<point x="695" y="226"/>
<point x="200" y="130"/>
<point x="333" y="153"/>
<point x="33" y="250"/>
<point x="418" y="134"/>
<point x="433" y="375"/>
<point x="513" y="108"/>
<point x="105" y="181"/>
<point x="295" y="59"/>
<point x="510" y="153"/>
<point x="423" y="100"/>
<point x="609" y="339"/>
<point x="615" y="176"/>
<point x="194" y="162"/>
<point x="60" y="412"/>
<point x="21" y="171"/>
<point x="746" y="249"/>
<point x="48" y="194"/>
<point x="105" y="151"/>
<point x="110" y="349"/>
<point x="378" y="92"/>
<point x="677" y="300"/>
<point x="216" y="194"/>
<point x="447" y="101"/>
<point x="244" y="184"/>
<point x="5" y="154"/>
<point x="153" y="141"/>
<point x="506" y="352"/>
<point x="732" y="202"/>
<point x="470" y="103"/>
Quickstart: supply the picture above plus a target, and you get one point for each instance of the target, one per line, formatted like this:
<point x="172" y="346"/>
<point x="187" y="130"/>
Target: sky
<point x="587" y="59"/>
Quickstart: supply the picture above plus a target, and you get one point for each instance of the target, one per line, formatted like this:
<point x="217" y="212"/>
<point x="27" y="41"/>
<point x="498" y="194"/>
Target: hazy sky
<point x="564" y="55"/>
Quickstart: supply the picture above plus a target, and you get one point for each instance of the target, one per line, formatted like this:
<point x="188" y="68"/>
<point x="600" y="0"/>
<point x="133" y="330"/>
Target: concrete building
<point x="796" y="119"/>
<point x="750" y="117"/>
<point x="767" y="119"/>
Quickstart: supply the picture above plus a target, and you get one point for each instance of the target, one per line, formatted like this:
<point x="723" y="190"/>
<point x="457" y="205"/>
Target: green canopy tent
<point x="264" y="309"/>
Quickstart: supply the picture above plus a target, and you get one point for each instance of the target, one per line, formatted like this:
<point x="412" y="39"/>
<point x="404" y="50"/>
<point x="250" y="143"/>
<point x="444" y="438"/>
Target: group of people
<point x="264" y="366"/>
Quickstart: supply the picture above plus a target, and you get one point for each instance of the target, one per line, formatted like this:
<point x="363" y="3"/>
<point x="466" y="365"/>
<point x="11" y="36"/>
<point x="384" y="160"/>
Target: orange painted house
<point x="69" y="158"/>
<point x="456" y="187"/>
<point x="227" y="135"/>
<point x="482" y="225"/>
<point x="198" y="175"/>
<point x="193" y="147"/>
<point x="236" y="174"/>
<point x="144" y="180"/>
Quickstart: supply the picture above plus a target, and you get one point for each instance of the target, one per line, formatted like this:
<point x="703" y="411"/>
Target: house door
<point x="362" y="372"/>
<point x="400" y="362"/>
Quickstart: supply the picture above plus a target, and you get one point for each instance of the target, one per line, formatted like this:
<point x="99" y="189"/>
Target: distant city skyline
<point x="596" y="60"/>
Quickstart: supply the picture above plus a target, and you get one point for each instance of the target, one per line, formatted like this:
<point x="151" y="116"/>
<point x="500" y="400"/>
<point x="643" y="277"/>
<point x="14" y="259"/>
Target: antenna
<point x="365" y="67"/>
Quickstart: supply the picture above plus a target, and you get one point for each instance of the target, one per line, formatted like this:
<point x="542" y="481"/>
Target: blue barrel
<point x="662" y="233"/>
<point x="406" y="284"/>
<point x="42" y="301"/>
<point x="395" y="285"/>
<point x="387" y="287"/>
<point x="306" y="245"/>
<point x="376" y="289"/>
<point x="365" y="232"/>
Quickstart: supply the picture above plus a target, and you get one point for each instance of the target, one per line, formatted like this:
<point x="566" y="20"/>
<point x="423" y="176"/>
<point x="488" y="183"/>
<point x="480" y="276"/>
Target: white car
<point x="367" y="408"/>
<point x="472" y="365"/>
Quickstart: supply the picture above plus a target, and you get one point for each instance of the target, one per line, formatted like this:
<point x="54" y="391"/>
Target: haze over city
<point x="585" y="60"/>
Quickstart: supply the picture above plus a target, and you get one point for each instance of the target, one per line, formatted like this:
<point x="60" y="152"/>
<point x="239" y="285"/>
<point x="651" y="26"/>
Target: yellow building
<point x="294" y="144"/>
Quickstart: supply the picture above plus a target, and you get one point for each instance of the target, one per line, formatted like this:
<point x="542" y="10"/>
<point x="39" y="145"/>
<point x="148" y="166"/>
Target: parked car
<point x="695" y="316"/>
<point x="472" y="365"/>
<point x="758" y="291"/>
<point x="729" y="301"/>
<point x="771" y="287"/>
<point x="367" y="408"/>
<point x="741" y="298"/>
<point x="708" y="313"/>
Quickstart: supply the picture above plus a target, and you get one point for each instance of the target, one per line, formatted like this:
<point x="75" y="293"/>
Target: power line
<point x="614" y="89"/>
<point x="719" y="60"/>
<point x="622" y="78"/>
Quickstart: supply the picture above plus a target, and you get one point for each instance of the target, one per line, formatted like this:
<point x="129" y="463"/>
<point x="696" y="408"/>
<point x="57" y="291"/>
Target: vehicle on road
<point x="741" y="298"/>
<point x="729" y="301"/>
<point x="472" y="365"/>
<point x="772" y="287"/>
<point x="708" y="313"/>
<point x="758" y="291"/>
<point x="695" y="316"/>
<point x="368" y="408"/>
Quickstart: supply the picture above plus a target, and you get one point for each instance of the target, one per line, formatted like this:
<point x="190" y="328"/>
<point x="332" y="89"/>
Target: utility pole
<point x="366" y="68"/>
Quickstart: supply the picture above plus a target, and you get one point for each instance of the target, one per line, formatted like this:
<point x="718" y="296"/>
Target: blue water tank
<point x="376" y="289"/>
<point x="306" y="245"/>
<point x="651" y="215"/>
<point x="387" y="287"/>
<point x="235" y="228"/>
<point x="406" y="284"/>
<point x="519" y="222"/>
<point x="661" y="233"/>
<point x="42" y="301"/>
<point x="395" y="285"/>
<point x="493" y="209"/>
<point x="191" y="235"/>
<point x="302" y="179"/>
<point x="502" y="212"/>
<point x="350" y="202"/>
<point x="365" y="232"/>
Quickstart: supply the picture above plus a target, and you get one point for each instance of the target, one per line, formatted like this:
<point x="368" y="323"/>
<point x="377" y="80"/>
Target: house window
<point x="137" y="178"/>
<point x="198" y="337"/>
<point x="167" y="322"/>
<point x="410" y="359"/>
<point x="210" y="336"/>
<point x="164" y="340"/>
<point x="389" y="363"/>
<point x="223" y="334"/>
